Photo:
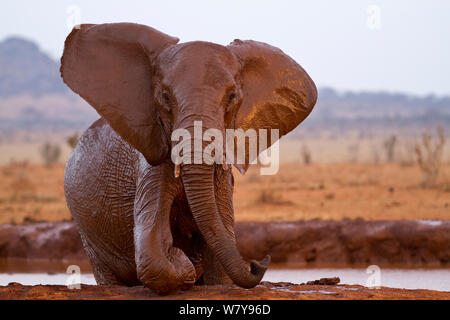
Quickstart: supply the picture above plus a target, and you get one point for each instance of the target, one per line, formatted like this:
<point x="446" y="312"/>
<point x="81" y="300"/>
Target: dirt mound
<point x="266" y="291"/>
<point x="309" y="243"/>
<point x="348" y="242"/>
<point x="46" y="240"/>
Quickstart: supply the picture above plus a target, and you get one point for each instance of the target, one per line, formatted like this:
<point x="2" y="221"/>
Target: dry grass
<point x="315" y="191"/>
<point x="342" y="190"/>
<point x="429" y="157"/>
<point x="32" y="193"/>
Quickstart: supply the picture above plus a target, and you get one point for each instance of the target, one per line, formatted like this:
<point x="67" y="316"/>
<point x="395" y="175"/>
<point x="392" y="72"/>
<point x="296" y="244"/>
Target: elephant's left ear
<point x="277" y="92"/>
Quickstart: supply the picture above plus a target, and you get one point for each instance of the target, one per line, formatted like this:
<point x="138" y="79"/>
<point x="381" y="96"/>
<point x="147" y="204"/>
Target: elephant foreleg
<point x="160" y="266"/>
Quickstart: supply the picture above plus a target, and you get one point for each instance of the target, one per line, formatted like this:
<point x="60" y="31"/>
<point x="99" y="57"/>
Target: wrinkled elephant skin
<point x="139" y="222"/>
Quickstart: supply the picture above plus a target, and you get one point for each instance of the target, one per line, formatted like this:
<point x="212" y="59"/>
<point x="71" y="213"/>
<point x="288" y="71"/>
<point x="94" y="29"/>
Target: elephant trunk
<point x="198" y="181"/>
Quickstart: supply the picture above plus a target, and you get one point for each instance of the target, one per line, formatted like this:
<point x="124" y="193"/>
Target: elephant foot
<point x="167" y="273"/>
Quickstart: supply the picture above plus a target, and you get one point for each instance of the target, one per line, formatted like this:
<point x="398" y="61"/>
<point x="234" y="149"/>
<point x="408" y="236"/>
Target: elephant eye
<point x="230" y="100"/>
<point x="166" y="97"/>
<point x="166" y="100"/>
<point x="231" y="97"/>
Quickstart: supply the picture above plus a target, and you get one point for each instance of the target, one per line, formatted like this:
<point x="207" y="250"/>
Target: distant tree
<point x="429" y="157"/>
<point x="389" y="147"/>
<point x="50" y="153"/>
<point x="72" y="140"/>
<point x="306" y="154"/>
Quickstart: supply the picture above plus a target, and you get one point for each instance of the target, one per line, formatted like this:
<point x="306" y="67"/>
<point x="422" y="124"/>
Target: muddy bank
<point x="319" y="243"/>
<point x="266" y="291"/>
<point x="44" y="240"/>
<point x="305" y="243"/>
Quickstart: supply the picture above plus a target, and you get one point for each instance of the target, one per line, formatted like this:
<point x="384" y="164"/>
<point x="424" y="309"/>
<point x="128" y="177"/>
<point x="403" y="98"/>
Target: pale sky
<point x="348" y="45"/>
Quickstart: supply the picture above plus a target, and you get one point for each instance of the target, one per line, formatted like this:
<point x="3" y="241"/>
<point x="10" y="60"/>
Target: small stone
<point x="14" y="284"/>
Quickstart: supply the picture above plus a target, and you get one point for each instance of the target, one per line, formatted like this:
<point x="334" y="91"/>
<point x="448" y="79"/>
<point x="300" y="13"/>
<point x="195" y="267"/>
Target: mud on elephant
<point x="140" y="223"/>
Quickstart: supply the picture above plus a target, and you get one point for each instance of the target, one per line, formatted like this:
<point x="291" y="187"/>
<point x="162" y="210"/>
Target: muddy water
<point x="44" y="278"/>
<point x="435" y="279"/>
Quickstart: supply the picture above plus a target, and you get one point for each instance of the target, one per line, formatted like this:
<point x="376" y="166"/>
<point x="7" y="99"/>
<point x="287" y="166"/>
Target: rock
<point x="324" y="282"/>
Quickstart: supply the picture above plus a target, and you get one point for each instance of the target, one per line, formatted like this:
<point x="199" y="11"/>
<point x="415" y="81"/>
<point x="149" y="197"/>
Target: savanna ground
<point x="335" y="191"/>
<point x="325" y="178"/>
<point x="329" y="175"/>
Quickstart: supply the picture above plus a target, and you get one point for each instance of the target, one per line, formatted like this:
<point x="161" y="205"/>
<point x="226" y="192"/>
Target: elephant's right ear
<point x="109" y="65"/>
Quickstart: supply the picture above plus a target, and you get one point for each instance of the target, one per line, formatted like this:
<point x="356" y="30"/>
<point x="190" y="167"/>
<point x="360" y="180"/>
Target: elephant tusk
<point x="225" y="165"/>
<point x="177" y="170"/>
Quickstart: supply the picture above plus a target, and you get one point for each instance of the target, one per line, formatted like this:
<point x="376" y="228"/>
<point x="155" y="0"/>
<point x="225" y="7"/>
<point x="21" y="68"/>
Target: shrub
<point x="306" y="154"/>
<point x="50" y="153"/>
<point x="389" y="147"/>
<point x="73" y="140"/>
<point x="429" y="157"/>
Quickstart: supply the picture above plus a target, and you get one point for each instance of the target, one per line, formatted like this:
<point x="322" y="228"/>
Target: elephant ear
<point x="277" y="92"/>
<point x="109" y="65"/>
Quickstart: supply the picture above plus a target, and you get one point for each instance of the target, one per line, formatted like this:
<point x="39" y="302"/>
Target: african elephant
<point x="140" y="222"/>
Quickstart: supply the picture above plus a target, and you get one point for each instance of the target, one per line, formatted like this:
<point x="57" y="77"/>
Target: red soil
<point x="265" y="291"/>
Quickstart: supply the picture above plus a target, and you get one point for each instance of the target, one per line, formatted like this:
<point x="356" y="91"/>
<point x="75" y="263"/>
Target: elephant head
<point x="146" y="85"/>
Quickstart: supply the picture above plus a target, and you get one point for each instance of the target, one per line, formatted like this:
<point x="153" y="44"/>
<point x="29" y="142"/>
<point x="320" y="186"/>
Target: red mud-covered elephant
<point x="139" y="222"/>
